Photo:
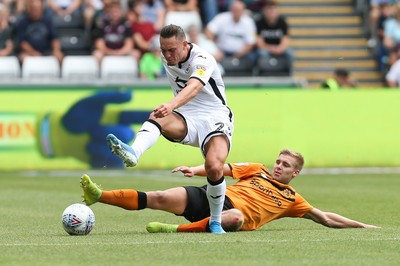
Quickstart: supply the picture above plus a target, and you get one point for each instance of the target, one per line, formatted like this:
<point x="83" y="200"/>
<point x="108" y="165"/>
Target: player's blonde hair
<point x="296" y="155"/>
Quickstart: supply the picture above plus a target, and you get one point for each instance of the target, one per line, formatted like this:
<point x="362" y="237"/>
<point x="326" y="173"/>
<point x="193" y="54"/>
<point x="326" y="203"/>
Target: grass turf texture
<point x="31" y="232"/>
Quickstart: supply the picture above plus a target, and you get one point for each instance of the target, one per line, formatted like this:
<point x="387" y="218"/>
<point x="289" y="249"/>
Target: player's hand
<point x="187" y="171"/>
<point x="81" y="131"/>
<point x="163" y="110"/>
<point x="371" y="226"/>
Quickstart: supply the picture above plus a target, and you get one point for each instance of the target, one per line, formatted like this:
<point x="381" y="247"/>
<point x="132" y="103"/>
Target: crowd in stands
<point x="384" y="28"/>
<point x="247" y="37"/>
<point x="243" y="35"/>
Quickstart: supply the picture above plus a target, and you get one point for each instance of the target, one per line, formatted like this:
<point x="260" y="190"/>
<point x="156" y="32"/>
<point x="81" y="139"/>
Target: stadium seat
<point x="273" y="66"/>
<point x="80" y="67"/>
<point x="68" y="21"/>
<point x="9" y="67"/>
<point x="237" y="66"/>
<point x="184" y="19"/>
<point x="119" y="68"/>
<point x="40" y="67"/>
<point x="74" y="41"/>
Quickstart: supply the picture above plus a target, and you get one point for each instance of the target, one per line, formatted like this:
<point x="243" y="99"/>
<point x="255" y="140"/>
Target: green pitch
<point x="31" y="204"/>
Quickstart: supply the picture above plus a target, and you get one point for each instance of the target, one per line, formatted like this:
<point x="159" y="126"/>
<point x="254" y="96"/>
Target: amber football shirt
<point x="262" y="199"/>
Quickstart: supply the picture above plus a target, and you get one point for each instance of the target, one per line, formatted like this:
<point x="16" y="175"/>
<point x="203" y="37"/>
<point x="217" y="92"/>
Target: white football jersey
<point x="202" y="66"/>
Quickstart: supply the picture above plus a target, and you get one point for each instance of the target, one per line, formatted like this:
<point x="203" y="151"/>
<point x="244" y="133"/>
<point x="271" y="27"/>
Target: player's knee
<point x="237" y="216"/>
<point x="232" y="220"/>
<point x="214" y="169"/>
<point x="158" y="198"/>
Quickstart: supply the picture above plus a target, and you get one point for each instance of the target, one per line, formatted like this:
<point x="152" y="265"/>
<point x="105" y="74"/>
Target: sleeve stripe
<point x="202" y="82"/>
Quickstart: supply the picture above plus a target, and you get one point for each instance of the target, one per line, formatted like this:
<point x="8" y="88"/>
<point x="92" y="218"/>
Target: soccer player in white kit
<point x="198" y="115"/>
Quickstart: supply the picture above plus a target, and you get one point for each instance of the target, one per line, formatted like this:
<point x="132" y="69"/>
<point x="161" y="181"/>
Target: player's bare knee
<point x="157" y="198"/>
<point x="237" y="216"/>
<point x="232" y="220"/>
<point x="214" y="170"/>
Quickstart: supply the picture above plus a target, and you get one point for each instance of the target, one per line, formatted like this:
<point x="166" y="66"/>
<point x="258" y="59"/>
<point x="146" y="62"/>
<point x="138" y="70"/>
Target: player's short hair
<point x="296" y="155"/>
<point x="341" y="72"/>
<point x="172" y="31"/>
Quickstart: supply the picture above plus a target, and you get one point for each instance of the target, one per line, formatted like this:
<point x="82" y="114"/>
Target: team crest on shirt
<point x="201" y="70"/>
<point x="287" y="193"/>
<point x="187" y="70"/>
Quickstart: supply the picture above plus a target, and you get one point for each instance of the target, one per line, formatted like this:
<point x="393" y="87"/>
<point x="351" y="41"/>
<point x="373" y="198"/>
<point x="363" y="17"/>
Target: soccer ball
<point x="78" y="219"/>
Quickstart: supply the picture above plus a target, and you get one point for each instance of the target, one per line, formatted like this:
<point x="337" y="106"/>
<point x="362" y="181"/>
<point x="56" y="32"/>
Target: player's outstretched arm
<point x="199" y="170"/>
<point x="191" y="90"/>
<point x="334" y="220"/>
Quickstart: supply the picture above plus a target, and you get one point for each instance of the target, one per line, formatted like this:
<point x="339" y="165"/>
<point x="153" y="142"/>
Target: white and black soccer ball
<point x="78" y="219"/>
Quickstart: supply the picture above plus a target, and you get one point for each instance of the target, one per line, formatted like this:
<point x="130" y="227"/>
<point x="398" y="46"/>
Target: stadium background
<point x="332" y="129"/>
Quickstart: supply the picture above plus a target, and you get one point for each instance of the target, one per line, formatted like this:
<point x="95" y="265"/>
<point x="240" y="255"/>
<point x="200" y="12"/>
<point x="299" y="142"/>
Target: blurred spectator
<point x="183" y="13"/>
<point x="35" y="33"/>
<point x="386" y="12"/>
<point x="16" y="8"/>
<point x="72" y="8"/>
<point x="224" y="5"/>
<point x="197" y="37"/>
<point x="102" y="15"/>
<point x="131" y="13"/>
<point x="272" y="33"/>
<point x="153" y="11"/>
<point x="208" y="10"/>
<point x="255" y="6"/>
<point x="6" y="43"/>
<point x="143" y="30"/>
<point x="181" y="5"/>
<point x="114" y="37"/>
<point x="375" y="13"/>
<point x="341" y="79"/>
<point x="151" y="66"/>
<point x="393" y="75"/>
<point x="91" y="11"/>
<point x="392" y="36"/>
<point x="233" y="32"/>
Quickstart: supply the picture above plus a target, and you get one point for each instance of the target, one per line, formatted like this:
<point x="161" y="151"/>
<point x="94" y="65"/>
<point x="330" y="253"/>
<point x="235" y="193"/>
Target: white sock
<point x="216" y="198"/>
<point x="145" y="138"/>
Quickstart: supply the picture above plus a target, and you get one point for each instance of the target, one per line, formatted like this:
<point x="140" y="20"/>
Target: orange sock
<point x="200" y="226"/>
<point x="128" y="199"/>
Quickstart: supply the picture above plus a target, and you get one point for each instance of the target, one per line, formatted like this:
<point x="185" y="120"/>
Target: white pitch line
<point x="196" y="241"/>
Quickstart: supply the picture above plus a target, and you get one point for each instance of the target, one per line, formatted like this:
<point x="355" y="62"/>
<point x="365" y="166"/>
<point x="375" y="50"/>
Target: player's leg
<point x="91" y="191"/>
<point x="128" y="199"/>
<point x="172" y="126"/>
<point x="172" y="200"/>
<point x="216" y="152"/>
<point x="232" y="220"/>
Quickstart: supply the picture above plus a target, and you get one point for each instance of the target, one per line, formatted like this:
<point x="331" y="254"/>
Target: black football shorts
<point x="197" y="207"/>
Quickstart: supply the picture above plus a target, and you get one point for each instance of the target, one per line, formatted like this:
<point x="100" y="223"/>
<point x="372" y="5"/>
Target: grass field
<point x="31" y="204"/>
